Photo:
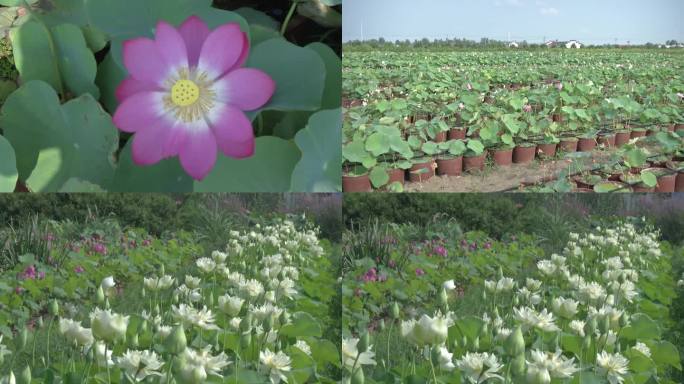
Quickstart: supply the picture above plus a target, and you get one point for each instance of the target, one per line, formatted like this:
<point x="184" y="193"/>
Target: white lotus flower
<point x="74" y="331"/>
<point x="479" y="367"/>
<point x="230" y="305"/>
<point x="190" y="316"/>
<point x="205" y="264"/>
<point x="577" y="327"/>
<point x="100" y="350"/>
<point x="505" y="284"/>
<point x="549" y="364"/>
<point x="158" y="283"/>
<point x="108" y="326"/>
<point x="643" y="348"/>
<point x="192" y="282"/>
<point x="566" y="308"/>
<point x="444" y="359"/>
<point x="350" y="353"/>
<point x="303" y="346"/>
<point x="3" y="350"/>
<point x="449" y="285"/>
<point x="529" y="318"/>
<point x="426" y="331"/>
<point x="614" y="366"/>
<point x="140" y="364"/>
<point x="251" y="288"/>
<point x="219" y="257"/>
<point x="276" y="365"/>
<point x="198" y="365"/>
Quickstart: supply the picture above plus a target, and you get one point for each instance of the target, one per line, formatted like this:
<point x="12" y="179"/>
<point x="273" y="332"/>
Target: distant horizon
<point x="633" y="22"/>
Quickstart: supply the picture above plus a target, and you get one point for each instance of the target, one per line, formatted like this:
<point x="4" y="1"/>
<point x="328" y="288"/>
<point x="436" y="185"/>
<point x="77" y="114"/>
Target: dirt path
<point x="497" y="179"/>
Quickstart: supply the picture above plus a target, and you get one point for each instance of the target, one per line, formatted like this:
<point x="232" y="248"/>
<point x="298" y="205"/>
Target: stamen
<point x="191" y="95"/>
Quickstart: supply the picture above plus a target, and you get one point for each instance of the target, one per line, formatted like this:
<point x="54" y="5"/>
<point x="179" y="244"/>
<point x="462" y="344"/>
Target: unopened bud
<point x="357" y="376"/>
<point x="176" y="342"/>
<point x="395" y="310"/>
<point x="99" y="295"/>
<point x="54" y="308"/>
<point x="515" y="343"/>
<point x="364" y="342"/>
<point x="25" y="376"/>
<point x="21" y="339"/>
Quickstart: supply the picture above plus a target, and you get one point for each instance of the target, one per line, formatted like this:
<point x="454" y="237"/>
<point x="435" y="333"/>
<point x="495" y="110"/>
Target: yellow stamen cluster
<point x="191" y="95"/>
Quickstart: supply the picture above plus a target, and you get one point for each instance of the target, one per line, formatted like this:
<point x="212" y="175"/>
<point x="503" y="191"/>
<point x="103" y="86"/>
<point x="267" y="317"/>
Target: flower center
<point x="185" y="93"/>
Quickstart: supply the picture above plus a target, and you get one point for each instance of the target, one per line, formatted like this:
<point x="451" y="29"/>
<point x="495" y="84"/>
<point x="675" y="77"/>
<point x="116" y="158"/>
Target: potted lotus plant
<point x="356" y="162"/>
<point x="423" y="167"/>
<point x="474" y="157"/>
<point x="450" y="158"/>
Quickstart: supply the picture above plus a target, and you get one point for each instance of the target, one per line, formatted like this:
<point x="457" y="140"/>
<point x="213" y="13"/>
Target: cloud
<point x="549" y="11"/>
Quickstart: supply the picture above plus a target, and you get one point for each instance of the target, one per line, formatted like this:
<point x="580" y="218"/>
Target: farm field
<point x="98" y="301"/>
<point x="589" y="299"/>
<point x="556" y="120"/>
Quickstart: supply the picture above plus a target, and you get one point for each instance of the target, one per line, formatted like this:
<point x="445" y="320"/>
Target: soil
<point x="515" y="176"/>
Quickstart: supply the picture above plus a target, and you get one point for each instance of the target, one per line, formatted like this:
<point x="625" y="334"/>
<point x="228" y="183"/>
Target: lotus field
<point x="121" y="306"/>
<point x="470" y="309"/>
<point x="551" y="120"/>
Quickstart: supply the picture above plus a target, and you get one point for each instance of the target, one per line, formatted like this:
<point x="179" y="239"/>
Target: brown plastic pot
<point x="607" y="141"/>
<point x="679" y="179"/>
<point x="568" y="145"/>
<point x="666" y="183"/>
<point x="503" y="157"/>
<point x="583" y="190"/>
<point x="441" y="137"/>
<point x="396" y="175"/>
<point x="356" y="184"/>
<point x="524" y="154"/>
<point x="450" y="167"/>
<point x="457" y="134"/>
<point x="415" y="176"/>
<point x="640" y="188"/>
<point x="638" y="133"/>
<point x="622" y="138"/>
<point x="474" y="163"/>
<point x="547" y="150"/>
<point x="586" y="144"/>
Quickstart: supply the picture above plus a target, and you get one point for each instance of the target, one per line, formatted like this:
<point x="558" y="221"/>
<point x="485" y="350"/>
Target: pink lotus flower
<point x="527" y="108"/>
<point x="186" y="95"/>
<point x="79" y="269"/>
<point x="469" y="86"/>
<point x="419" y="272"/>
<point x="559" y="86"/>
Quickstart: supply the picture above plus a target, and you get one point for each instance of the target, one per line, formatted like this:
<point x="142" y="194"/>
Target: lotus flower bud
<point x="516" y="300"/>
<point x="515" y="343"/>
<point x="586" y="343"/>
<point x="162" y="270"/>
<point x="496" y="312"/>
<point x="364" y="342"/>
<point x="476" y="344"/>
<point x="40" y="322"/>
<point x="455" y="343"/>
<point x="443" y="298"/>
<point x="11" y="379"/>
<point x="518" y="365"/>
<point x="144" y="294"/>
<point x="211" y="299"/>
<point x="538" y="376"/>
<point x="54" y="308"/>
<point x="464" y="342"/>
<point x="25" y="376"/>
<point x="21" y="339"/>
<point x="395" y="310"/>
<point x="381" y="324"/>
<point x="357" y="376"/>
<point x="199" y="375"/>
<point x="176" y="342"/>
<point x="500" y="274"/>
<point x="484" y="295"/>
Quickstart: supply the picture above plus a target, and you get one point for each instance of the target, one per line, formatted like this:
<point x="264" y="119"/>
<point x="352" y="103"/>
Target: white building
<point x="513" y="45"/>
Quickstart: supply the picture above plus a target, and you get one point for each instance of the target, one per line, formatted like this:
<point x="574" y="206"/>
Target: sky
<point x="589" y="21"/>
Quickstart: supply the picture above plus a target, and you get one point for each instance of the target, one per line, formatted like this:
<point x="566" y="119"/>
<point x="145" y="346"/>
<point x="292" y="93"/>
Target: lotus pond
<point x="98" y="303"/>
